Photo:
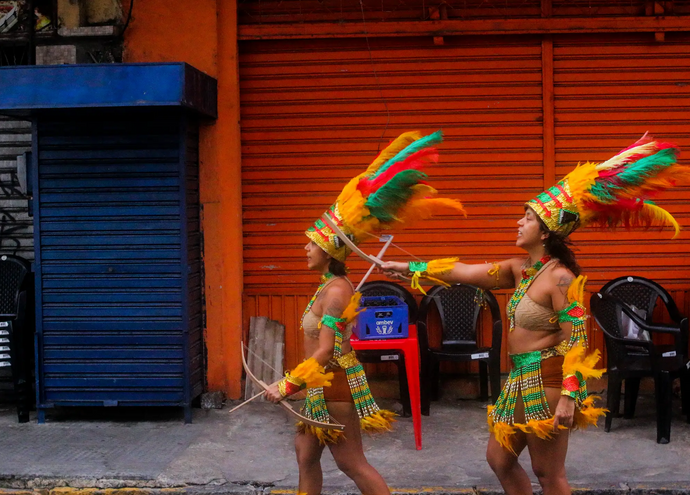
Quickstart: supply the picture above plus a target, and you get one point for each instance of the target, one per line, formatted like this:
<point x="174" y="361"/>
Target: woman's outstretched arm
<point x="495" y="275"/>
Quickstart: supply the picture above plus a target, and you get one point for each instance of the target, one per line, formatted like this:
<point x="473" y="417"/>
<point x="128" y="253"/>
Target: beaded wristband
<point x="417" y="266"/>
<point x="289" y="385"/>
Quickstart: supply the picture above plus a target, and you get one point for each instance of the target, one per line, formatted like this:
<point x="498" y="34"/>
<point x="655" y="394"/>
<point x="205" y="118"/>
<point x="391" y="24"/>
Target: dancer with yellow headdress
<point x="546" y="391"/>
<point x="390" y="193"/>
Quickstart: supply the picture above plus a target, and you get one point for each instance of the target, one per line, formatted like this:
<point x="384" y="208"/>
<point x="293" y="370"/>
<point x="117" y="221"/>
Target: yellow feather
<point x="349" y="189"/>
<point x="350" y="311"/>
<point x="324" y="436"/>
<point x="656" y="215"/>
<point x="576" y="362"/>
<point x="421" y="209"/>
<point x="581" y="179"/>
<point x="587" y="414"/>
<point x="503" y="433"/>
<point x="312" y="373"/>
<point x="400" y="143"/>
<point x="353" y="210"/>
<point x="441" y="266"/>
<point x="380" y="421"/>
<point x="576" y="291"/>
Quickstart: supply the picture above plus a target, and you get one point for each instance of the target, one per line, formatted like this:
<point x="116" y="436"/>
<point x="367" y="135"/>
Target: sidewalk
<point x="251" y="451"/>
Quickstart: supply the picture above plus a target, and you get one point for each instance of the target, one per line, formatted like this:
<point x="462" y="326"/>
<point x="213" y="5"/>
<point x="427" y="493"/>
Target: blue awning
<point x="27" y="89"/>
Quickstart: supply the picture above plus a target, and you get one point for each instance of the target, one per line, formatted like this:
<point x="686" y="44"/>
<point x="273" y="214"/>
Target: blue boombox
<point x="385" y="317"/>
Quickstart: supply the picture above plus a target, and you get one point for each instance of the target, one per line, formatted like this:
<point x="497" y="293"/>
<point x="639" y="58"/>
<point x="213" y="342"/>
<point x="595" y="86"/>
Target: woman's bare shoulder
<point x="337" y="293"/>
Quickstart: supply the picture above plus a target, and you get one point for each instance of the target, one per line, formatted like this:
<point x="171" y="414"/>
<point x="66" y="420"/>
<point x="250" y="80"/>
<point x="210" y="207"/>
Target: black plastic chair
<point x="13" y="338"/>
<point x="644" y="294"/>
<point x="383" y="288"/>
<point x="632" y="359"/>
<point x="459" y="309"/>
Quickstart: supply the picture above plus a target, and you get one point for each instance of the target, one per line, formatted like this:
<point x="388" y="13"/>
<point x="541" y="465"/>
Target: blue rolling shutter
<point x="119" y="313"/>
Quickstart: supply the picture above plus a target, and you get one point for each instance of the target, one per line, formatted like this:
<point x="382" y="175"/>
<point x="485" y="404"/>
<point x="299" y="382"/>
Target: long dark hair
<point x="559" y="246"/>
<point x="337" y="268"/>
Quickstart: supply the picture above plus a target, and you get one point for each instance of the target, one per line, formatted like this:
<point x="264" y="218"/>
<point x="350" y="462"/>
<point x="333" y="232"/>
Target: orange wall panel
<point x="171" y="31"/>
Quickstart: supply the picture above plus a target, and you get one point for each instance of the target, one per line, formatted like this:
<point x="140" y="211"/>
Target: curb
<point x="249" y="489"/>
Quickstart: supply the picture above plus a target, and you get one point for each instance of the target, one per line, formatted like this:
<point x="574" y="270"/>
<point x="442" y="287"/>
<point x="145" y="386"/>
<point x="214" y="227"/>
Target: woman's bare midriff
<point x="522" y="340"/>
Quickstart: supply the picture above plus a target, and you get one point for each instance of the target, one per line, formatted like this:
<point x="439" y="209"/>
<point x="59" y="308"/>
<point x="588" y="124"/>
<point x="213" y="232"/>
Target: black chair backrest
<point x="13" y="270"/>
<point x="458" y="307"/>
<point x="606" y="310"/>
<point x="384" y="288"/>
<point x="642" y="293"/>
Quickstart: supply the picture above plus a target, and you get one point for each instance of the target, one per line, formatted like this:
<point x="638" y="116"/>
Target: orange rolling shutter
<point x="313" y="115"/>
<point x="609" y="91"/>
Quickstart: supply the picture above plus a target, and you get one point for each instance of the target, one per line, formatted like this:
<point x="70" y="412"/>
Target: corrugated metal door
<point x="117" y="259"/>
<point x="609" y="91"/>
<point x="313" y="115"/>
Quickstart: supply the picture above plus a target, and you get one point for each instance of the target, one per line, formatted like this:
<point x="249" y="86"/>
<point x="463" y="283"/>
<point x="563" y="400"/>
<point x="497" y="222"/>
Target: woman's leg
<point x="504" y="463"/>
<point x="548" y="456"/>
<point x="309" y="453"/>
<point x="349" y="453"/>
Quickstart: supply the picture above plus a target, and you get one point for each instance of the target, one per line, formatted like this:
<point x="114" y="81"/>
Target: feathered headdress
<point x="391" y="192"/>
<point x="616" y="192"/>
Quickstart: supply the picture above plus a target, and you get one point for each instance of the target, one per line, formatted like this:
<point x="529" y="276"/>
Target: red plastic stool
<point x="410" y="349"/>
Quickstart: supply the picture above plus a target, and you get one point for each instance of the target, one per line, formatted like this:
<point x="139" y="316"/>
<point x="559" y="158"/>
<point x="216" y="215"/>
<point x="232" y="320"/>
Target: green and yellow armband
<point x="422" y="269"/>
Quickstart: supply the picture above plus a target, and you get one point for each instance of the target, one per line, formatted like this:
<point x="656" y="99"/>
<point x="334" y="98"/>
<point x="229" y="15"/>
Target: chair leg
<point x="404" y="388"/>
<point x="483" y="381"/>
<point x="613" y="399"/>
<point x="662" y="385"/>
<point x="632" y="388"/>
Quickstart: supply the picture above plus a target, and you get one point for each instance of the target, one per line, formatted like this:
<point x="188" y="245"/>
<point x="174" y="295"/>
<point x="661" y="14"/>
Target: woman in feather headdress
<point x="389" y="193"/>
<point x="546" y="393"/>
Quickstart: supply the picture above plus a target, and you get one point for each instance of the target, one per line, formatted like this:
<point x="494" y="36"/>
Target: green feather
<point x="420" y="144"/>
<point x="393" y="195"/>
<point x="638" y="172"/>
<point x="634" y="174"/>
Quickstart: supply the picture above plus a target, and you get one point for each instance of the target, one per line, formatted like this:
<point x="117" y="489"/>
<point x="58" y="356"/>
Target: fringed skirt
<point x="532" y="372"/>
<point x="349" y="384"/>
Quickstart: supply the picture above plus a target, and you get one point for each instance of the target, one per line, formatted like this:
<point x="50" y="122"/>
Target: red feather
<point x="415" y="161"/>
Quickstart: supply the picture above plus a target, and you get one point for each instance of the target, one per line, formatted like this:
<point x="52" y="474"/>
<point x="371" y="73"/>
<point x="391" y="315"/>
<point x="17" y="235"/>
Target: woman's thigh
<point x="548" y="456"/>
<point x="350" y="447"/>
<point x="307" y="449"/>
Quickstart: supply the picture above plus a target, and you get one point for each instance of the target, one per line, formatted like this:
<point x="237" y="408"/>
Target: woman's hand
<point x="272" y="394"/>
<point x="394" y="269"/>
<point x="565" y="411"/>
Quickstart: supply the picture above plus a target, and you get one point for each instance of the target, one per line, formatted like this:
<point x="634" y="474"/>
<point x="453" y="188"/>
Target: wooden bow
<point x="348" y="242"/>
<point x="285" y="405"/>
<point x="374" y="260"/>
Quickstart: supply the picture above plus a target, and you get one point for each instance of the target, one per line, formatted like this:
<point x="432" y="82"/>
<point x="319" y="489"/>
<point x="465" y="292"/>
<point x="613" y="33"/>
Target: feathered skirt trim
<point x="372" y="419"/>
<point x="527" y="381"/>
